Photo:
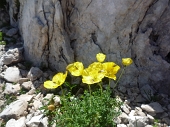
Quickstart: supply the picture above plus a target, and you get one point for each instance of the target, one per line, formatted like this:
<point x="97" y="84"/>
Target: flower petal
<point x="50" y="85"/>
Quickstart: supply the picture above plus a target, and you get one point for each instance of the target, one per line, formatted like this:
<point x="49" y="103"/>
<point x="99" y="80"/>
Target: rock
<point x="151" y="118"/>
<point x="12" y="56"/>
<point x="14" y="110"/>
<point x="12" y="74"/>
<point x="121" y="125"/>
<point x="147" y="92"/>
<point x="166" y="120"/>
<point x="57" y="100"/>
<point x="153" y="107"/>
<point x="125" y="108"/>
<point x="124" y="118"/>
<point x="140" y="99"/>
<point x="12" y="32"/>
<point x="37" y="104"/>
<point x="16" y="123"/>
<point x="25" y="97"/>
<point x="34" y="73"/>
<point x="47" y="98"/>
<point x="35" y="121"/>
<point x="27" y="85"/>
<point x="138" y="121"/>
<point x="45" y="122"/>
<point x="12" y="89"/>
<point x="22" y="80"/>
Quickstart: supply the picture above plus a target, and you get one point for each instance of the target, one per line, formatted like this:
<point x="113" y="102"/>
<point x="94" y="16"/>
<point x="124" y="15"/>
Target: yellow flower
<point x="127" y="61"/>
<point x="100" y="57"/>
<point x="76" y="68"/>
<point x="92" y="76"/>
<point x="50" y="85"/>
<point x="59" y="78"/>
<point x="111" y="69"/>
<point x="51" y="107"/>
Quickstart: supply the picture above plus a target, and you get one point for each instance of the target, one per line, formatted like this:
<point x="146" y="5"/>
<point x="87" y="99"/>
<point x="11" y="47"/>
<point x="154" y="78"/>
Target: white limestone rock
<point x="16" y="123"/>
<point x="15" y="109"/>
<point x="12" y="89"/>
<point x="153" y="107"/>
<point x="12" y="74"/>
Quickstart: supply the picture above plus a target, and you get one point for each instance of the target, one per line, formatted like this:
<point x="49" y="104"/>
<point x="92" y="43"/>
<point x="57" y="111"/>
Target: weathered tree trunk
<point x="58" y="32"/>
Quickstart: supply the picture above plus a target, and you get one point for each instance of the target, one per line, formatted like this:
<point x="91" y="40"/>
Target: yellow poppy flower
<point x="91" y="77"/>
<point x="50" y="85"/>
<point x="76" y="68"/>
<point x="59" y="78"/>
<point x="111" y="69"/>
<point x="100" y="57"/>
<point x="127" y="61"/>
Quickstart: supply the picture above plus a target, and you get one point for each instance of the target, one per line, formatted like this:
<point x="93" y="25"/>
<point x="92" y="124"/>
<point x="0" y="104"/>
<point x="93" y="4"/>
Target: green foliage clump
<point x="95" y="107"/>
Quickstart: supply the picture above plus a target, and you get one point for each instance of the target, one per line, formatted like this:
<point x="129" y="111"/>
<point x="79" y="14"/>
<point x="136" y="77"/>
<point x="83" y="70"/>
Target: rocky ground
<point x="22" y="94"/>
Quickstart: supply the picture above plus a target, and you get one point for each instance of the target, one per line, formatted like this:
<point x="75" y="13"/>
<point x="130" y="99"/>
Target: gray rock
<point x="27" y="85"/>
<point x="147" y="92"/>
<point x="35" y="121"/>
<point x="153" y="107"/>
<point x="12" y="74"/>
<point x="124" y="118"/>
<point x="125" y="108"/>
<point x="12" y="32"/>
<point x="121" y="125"/>
<point x="34" y="73"/>
<point x="25" y="97"/>
<point x="138" y="121"/>
<point x="12" y="89"/>
<point x="166" y="120"/>
<point x="22" y="80"/>
<point x="14" y="110"/>
<point x="12" y="56"/>
<point x="16" y="123"/>
<point x="128" y="30"/>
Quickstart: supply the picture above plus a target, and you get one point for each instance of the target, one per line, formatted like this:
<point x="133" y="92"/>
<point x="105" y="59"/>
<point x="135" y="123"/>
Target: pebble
<point x="12" y="74"/>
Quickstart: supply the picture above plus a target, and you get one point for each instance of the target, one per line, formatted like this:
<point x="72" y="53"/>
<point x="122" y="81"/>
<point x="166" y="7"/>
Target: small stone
<point x="12" y="32"/>
<point x="166" y="120"/>
<point x="16" y="123"/>
<point x="138" y="121"/>
<point x="37" y="104"/>
<point x="35" y="121"/>
<point x="125" y="108"/>
<point x="12" y="74"/>
<point x="14" y="110"/>
<point x="56" y="100"/>
<point x="124" y="118"/>
<point x="151" y="118"/>
<point x="27" y="85"/>
<point x="25" y="97"/>
<point x="21" y="80"/>
<point x="12" y="89"/>
<point x="44" y="121"/>
<point x="12" y="56"/>
<point x="153" y="107"/>
<point x="121" y="125"/>
<point x="34" y="73"/>
<point x="139" y="99"/>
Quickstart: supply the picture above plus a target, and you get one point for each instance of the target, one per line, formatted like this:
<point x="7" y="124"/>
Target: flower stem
<point x="101" y="89"/>
<point x="62" y="90"/>
<point x="90" y="93"/>
<point x="119" y="77"/>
